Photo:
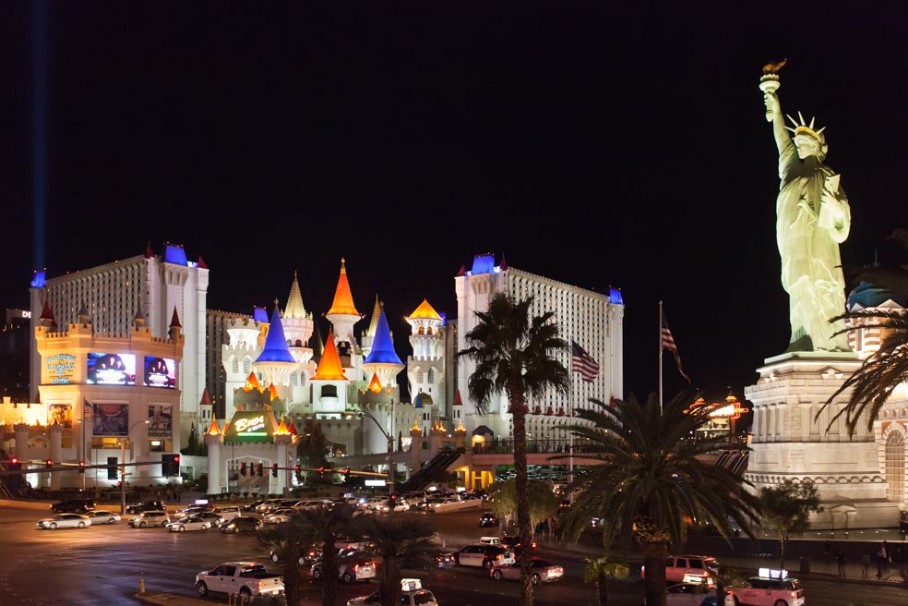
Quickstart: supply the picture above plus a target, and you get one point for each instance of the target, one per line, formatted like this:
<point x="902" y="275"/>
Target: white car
<point x="352" y="567"/>
<point x="278" y="515"/>
<point x="189" y="523"/>
<point x="693" y="594"/>
<point x="103" y="516"/>
<point x="411" y="594"/>
<point x="228" y="513"/>
<point x="64" y="520"/>
<point x="765" y="591"/>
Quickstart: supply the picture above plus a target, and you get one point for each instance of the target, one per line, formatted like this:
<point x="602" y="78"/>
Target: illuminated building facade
<point x="148" y="286"/>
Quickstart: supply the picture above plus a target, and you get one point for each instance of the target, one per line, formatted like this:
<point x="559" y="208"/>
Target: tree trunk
<point x="654" y="554"/>
<point x="518" y="410"/>
<point x="329" y="572"/>
<point x="601" y="589"/>
<point x="782" y="541"/>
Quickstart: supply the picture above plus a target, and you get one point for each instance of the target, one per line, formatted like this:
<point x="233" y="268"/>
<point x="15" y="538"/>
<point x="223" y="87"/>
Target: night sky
<point x="589" y="143"/>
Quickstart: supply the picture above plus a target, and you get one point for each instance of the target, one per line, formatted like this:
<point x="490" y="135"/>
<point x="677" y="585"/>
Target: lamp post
<point x="389" y="436"/>
<point x="123" y="473"/>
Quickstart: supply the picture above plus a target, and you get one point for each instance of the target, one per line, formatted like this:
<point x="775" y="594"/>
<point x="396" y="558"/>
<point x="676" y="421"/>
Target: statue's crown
<point x="802" y="128"/>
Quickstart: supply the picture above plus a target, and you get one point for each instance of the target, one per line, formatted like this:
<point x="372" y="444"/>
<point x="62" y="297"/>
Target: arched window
<point x="247" y="366"/>
<point x="329" y="391"/>
<point x="895" y="467"/>
<point x="431" y="378"/>
<point x="235" y="366"/>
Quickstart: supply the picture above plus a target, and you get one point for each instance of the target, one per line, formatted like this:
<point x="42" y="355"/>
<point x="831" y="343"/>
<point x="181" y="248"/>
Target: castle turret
<point x="276" y="363"/>
<point x="343" y="315"/>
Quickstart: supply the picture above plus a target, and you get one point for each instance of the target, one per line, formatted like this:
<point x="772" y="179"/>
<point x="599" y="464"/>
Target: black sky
<point x="591" y="143"/>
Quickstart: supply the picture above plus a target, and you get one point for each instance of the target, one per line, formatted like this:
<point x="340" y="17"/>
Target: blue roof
<point x="614" y="295"/>
<point x="418" y="401"/>
<point x="39" y="280"/>
<point x="869" y="295"/>
<point x="483" y="264"/>
<point x="260" y="314"/>
<point x="174" y="253"/>
<point x="275" y="343"/>
<point x="382" y="347"/>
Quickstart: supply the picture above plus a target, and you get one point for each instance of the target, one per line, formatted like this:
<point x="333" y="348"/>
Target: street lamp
<point x="123" y="473"/>
<point x="389" y="436"/>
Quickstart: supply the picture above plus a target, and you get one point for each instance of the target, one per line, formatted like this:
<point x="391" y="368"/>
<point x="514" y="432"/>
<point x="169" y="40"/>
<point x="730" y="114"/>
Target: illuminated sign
<point x="160" y="372"/>
<point x="60" y="368"/>
<point x="111" y="369"/>
<point x="250" y="425"/>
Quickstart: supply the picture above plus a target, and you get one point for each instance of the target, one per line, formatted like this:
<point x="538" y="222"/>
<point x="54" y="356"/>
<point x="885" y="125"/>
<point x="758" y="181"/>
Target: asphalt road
<point x="107" y="565"/>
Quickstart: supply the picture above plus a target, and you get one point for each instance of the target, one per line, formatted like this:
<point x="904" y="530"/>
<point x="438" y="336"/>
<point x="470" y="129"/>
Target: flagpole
<point x="84" y="425"/>
<point x="571" y="433"/>
<point x="660" y="355"/>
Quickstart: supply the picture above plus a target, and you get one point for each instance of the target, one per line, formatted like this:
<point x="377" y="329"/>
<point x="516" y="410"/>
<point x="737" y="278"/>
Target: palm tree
<point x="599" y="570"/>
<point x="322" y="524"/>
<point x="887" y="368"/>
<point x="395" y="539"/>
<point x="654" y="477"/>
<point x="519" y="356"/>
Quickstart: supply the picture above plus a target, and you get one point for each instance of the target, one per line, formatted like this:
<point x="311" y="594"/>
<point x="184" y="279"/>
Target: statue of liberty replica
<point x="812" y="219"/>
<point x="792" y="438"/>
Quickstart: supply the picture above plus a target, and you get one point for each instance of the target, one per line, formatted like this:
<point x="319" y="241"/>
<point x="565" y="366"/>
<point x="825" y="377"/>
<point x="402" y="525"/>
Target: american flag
<point x="668" y="344"/>
<point x="582" y="362"/>
<point x="88" y="411"/>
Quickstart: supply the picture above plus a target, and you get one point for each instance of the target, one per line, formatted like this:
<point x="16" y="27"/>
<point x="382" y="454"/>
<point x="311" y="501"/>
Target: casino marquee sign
<point x="251" y="427"/>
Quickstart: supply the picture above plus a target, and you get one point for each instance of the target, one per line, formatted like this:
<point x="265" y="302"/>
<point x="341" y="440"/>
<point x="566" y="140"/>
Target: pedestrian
<point x="865" y="562"/>
<point x="840" y="563"/>
<point x="827" y="551"/>
<point x="882" y="559"/>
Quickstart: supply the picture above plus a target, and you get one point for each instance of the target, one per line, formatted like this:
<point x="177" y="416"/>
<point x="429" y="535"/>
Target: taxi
<point x="412" y="593"/>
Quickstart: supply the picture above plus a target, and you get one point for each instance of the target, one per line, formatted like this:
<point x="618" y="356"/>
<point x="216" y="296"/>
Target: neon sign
<point x="249" y="425"/>
<point x="60" y="368"/>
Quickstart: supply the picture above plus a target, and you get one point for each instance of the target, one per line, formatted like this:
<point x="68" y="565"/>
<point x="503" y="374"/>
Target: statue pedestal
<point x="790" y="442"/>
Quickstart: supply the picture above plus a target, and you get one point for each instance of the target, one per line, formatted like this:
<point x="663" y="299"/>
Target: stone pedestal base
<point x="794" y="440"/>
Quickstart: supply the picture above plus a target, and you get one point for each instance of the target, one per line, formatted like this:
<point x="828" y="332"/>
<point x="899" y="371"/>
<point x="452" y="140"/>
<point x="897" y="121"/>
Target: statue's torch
<point x="769" y="84"/>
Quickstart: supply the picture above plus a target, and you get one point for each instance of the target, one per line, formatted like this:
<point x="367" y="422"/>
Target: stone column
<point x="213" y="442"/>
<point x="281" y="483"/>
<point x="56" y="454"/>
<point x="416" y="447"/>
<point x="22" y="450"/>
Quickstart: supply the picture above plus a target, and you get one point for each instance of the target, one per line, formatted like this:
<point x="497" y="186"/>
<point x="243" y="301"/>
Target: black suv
<point x="73" y="506"/>
<point x="146" y="506"/>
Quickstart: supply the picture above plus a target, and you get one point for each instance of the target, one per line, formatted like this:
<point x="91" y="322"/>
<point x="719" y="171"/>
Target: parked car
<point x="278" y="515"/>
<point x="689" y="569"/>
<point x="763" y="591"/>
<point x="544" y="571"/>
<point x="73" y="506"/>
<point x="193" y="522"/>
<point x="483" y="556"/>
<point x="488" y="519"/>
<point x="241" y="524"/>
<point x="137" y="508"/>
<point x="150" y="518"/>
<point x="64" y="520"/>
<point x="103" y="516"/>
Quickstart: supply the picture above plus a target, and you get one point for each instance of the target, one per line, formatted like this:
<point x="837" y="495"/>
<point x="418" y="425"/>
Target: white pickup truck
<point x="244" y="579"/>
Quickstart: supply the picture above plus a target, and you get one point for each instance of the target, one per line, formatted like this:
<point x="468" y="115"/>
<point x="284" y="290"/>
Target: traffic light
<point x="49" y="463"/>
<point x="14" y="464"/>
<point x="392" y="502"/>
<point x="170" y="464"/>
<point x="321" y="472"/>
<point x="346" y="472"/>
<point x="274" y="470"/>
<point x="242" y="469"/>
<point x="111" y="468"/>
<point x="260" y="469"/>
<point x="296" y="468"/>
<point x="81" y="466"/>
